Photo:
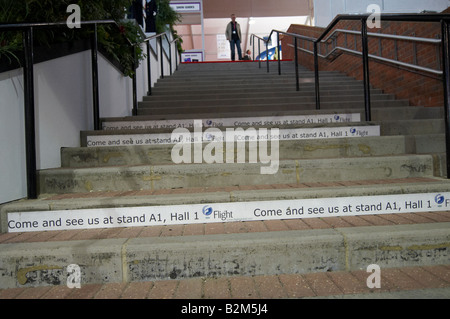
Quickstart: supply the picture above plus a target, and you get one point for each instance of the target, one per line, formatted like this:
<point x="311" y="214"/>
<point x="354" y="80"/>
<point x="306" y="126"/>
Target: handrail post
<point x="446" y="83"/>
<point x="170" y="57"/>
<point x="279" y="51"/>
<point x="95" y="94"/>
<point x="161" y="57"/>
<point x="297" y="85"/>
<point x="267" y="54"/>
<point x="134" y="82"/>
<point x="365" y="53"/>
<point x="176" y="56"/>
<point x="316" y="75"/>
<point x="149" y="69"/>
<point x="30" y="133"/>
<point x="253" y="49"/>
<point x="259" y="52"/>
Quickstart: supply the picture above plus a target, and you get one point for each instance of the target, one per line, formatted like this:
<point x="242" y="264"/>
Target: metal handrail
<point x="375" y="57"/>
<point x="278" y="32"/>
<point x="28" y="74"/>
<point x="443" y="19"/>
<point x="383" y="35"/>
<point x="15" y="26"/>
<point x="147" y="41"/>
<point x="369" y="34"/>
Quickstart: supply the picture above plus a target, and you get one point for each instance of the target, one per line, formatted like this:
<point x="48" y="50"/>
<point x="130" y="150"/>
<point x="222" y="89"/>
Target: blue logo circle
<point x="337" y="117"/>
<point x="439" y="199"/>
<point x="353" y="130"/>
<point x="208" y="122"/>
<point x="207" y="210"/>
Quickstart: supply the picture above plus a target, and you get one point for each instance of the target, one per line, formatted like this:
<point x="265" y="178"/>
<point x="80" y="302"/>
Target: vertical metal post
<point x="415" y="61"/>
<point x="161" y="57"/>
<point x="438" y="52"/>
<point x="134" y="83"/>
<point x="176" y="56"/>
<point x="395" y="48"/>
<point x="267" y="55"/>
<point x="259" y="52"/>
<point x="316" y="76"/>
<point x="170" y="57"/>
<point x="253" y="48"/>
<point x="95" y="94"/>
<point x="297" y="86"/>
<point x="380" y="46"/>
<point x="365" y="53"/>
<point x="446" y="82"/>
<point x="30" y="133"/>
<point x="279" y="51"/>
<point x="149" y="68"/>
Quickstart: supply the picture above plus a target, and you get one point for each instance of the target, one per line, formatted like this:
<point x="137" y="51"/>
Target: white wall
<point x="326" y="10"/>
<point x="63" y="106"/>
<point x="12" y="136"/>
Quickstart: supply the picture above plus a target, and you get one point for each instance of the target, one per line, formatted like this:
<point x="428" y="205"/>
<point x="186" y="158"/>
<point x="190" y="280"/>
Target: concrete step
<point x="305" y="88"/>
<point x="238" y="78"/>
<point x="233" y="108"/>
<point x="76" y="157"/>
<point x="253" y="66"/>
<point x="144" y="122"/>
<point x="400" y="168"/>
<point x="230" y="100"/>
<point x="212" y="88"/>
<point x="236" y="66"/>
<point x="226" y="194"/>
<point x="378" y="114"/>
<point x="387" y="127"/>
<point x="261" y="81"/>
<point x="151" y="177"/>
<point x="219" y="76"/>
<point x="123" y="260"/>
<point x="420" y="282"/>
<point x="320" y="131"/>
<point x="202" y="95"/>
<point x="234" y="248"/>
<point x="273" y="84"/>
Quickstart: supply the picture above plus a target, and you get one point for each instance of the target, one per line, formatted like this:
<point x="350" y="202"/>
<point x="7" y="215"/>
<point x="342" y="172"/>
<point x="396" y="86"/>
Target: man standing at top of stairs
<point x="233" y="34"/>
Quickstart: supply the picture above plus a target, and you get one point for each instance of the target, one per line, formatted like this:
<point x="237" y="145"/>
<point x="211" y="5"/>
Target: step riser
<point x="149" y="259"/>
<point x="306" y="85"/>
<point x="227" y="76"/>
<point x="388" y="128"/>
<point x="248" y="95"/>
<point x="408" y="113"/>
<point x="378" y="114"/>
<point x="221" y="175"/>
<point x="257" y="101"/>
<point x="306" y="82"/>
<point x="231" y="109"/>
<point x="413" y="127"/>
<point x="280" y="90"/>
<point x="230" y="195"/>
<point x="161" y="154"/>
<point x="248" y="79"/>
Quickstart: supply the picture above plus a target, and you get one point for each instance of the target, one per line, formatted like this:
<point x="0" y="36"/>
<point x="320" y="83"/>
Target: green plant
<point x="112" y="39"/>
<point x="166" y="16"/>
<point x="10" y="42"/>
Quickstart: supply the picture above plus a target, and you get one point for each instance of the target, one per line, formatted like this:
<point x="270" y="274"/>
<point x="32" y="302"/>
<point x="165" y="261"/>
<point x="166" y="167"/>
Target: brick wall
<point x="420" y="89"/>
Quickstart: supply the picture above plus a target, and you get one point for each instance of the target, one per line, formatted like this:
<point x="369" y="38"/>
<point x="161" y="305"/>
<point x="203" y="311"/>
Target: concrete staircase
<point x="325" y="158"/>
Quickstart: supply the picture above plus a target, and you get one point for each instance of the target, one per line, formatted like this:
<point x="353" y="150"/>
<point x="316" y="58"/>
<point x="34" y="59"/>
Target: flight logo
<point x="439" y="199"/>
<point x="207" y="211"/>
